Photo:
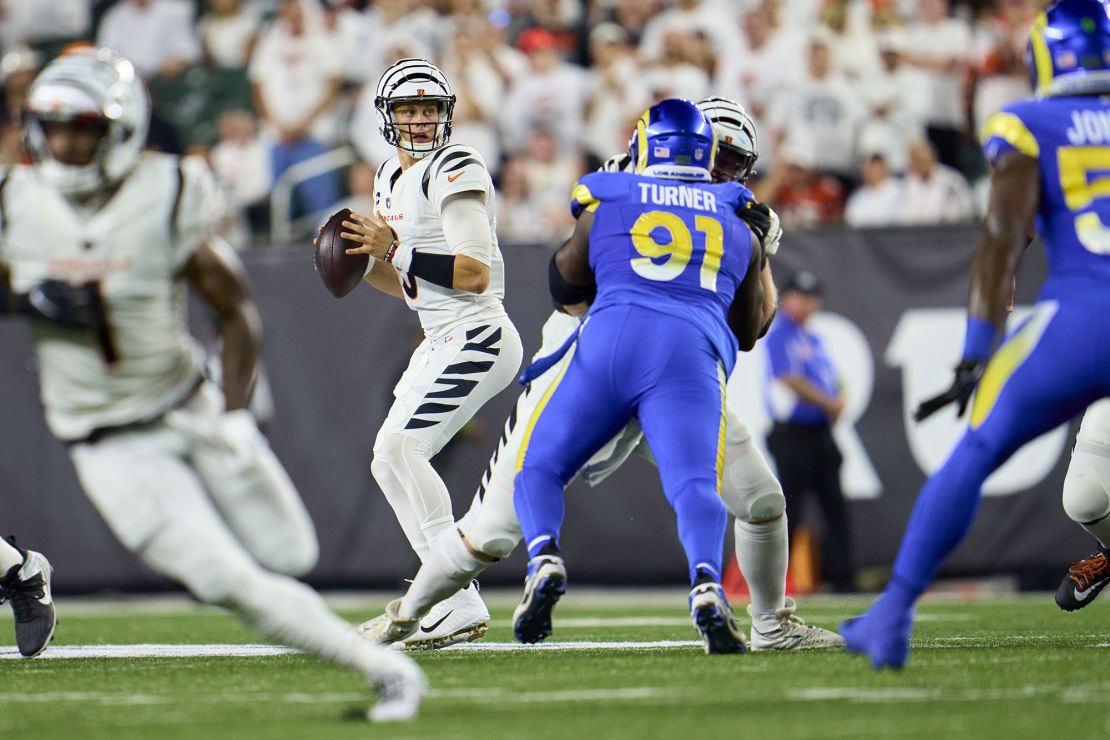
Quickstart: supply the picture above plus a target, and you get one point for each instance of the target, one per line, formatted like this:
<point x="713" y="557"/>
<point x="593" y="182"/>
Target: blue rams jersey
<point x="669" y="246"/>
<point x="1070" y="138"/>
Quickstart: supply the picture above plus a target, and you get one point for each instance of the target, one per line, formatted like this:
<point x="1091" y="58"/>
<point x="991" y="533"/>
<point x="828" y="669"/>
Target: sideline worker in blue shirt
<point x="803" y="398"/>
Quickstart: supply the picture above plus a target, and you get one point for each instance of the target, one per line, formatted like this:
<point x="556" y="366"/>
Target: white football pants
<point x="219" y="515"/>
<point x="447" y="380"/>
<point x="1086" y="495"/>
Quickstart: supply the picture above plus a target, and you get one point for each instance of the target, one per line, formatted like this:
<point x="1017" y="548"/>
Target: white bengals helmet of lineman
<point x="410" y="81"/>
<point x="735" y="132"/>
<point x="95" y="86"/>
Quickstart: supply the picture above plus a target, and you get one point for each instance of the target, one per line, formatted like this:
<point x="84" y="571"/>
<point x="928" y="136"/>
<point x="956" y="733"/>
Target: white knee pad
<point x="750" y="490"/>
<point x="491" y="525"/>
<point x="1085" y="494"/>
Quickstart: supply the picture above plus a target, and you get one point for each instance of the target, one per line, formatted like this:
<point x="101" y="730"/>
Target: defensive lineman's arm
<point x="745" y="315"/>
<point x="571" y="278"/>
<point x="1015" y="195"/>
<point x="218" y="276"/>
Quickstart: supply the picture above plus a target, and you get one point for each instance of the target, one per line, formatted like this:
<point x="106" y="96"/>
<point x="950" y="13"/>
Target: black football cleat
<point x="27" y="587"/>
<point x="1084" y="580"/>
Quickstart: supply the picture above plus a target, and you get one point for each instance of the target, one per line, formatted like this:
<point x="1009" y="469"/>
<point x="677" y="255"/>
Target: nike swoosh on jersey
<point x="452" y="178"/>
<point x="432" y="628"/>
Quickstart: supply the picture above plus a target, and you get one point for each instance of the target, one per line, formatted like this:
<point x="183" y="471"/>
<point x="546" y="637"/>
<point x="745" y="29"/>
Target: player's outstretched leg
<point x="25" y="582"/>
<point x="1085" y="579"/>
<point x="544" y="585"/>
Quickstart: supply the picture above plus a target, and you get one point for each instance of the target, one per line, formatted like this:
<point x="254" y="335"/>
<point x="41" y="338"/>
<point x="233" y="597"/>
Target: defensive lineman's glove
<point x="68" y="306"/>
<point x="758" y="218"/>
<point x="968" y="373"/>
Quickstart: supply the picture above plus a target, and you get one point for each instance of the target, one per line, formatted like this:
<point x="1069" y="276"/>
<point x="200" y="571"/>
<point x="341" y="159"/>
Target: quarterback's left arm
<point x="218" y="276"/>
<point x="570" y="277"/>
<point x="1015" y="196"/>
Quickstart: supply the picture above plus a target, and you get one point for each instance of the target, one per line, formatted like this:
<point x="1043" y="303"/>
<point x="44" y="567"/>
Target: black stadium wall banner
<point x="893" y="318"/>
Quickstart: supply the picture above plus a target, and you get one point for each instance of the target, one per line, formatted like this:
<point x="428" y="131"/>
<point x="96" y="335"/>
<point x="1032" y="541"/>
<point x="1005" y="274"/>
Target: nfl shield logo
<point x="698" y="154"/>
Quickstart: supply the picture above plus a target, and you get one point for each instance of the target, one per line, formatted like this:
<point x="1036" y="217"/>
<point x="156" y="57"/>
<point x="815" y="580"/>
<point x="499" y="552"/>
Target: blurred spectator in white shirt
<point x="295" y="82"/>
<point x="633" y="16"/>
<point x="999" y="56"/>
<point x="773" y="63"/>
<point x="156" y="35"/>
<point x="360" y="189"/>
<point x="941" y="46"/>
<point x="714" y="19"/>
<point x="845" y="29"/>
<point x="228" y="30"/>
<point x="387" y="24"/>
<point x="934" y="192"/>
<point x="672" y="75"/>
<point x="38" y="21"/>
<point x="549" y="95"/>
<point x="878" y="201"/>
<point x="241" y="161"/>
<point x="521" y="218"/>
<point x="560" y="18"/>
<point x="617" y="95"/>
<point x="894" y="100"/>
<point x="823" y="114"/>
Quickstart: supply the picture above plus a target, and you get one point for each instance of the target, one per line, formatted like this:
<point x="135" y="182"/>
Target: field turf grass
<point x="1013" y="667"/>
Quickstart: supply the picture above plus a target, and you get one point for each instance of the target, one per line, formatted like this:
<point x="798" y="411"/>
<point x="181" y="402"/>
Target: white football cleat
<point x="401" y="687"/>
<point x="388" y="628"/>
<point x="460" y="618"/>
<point x="792" y="633"/>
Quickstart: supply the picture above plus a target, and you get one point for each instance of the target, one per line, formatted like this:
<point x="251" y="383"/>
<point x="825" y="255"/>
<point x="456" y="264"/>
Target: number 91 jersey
<point x="669" y="246"/>
<point x="1069" y="136"/>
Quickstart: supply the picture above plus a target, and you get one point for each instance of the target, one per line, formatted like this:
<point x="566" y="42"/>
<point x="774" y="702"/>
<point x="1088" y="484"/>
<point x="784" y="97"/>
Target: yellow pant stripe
<point x="1007" y="360"/>
<point x="540" y="407"/>
<point x="722" y="429"/>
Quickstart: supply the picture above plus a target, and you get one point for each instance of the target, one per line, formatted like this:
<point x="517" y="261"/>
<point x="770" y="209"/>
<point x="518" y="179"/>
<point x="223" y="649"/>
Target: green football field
<point x="1002" y="668"/>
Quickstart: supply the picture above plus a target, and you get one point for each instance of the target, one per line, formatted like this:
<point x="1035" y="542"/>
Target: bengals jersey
<point x="135" y="246"/>
<point x="411" y="202"/>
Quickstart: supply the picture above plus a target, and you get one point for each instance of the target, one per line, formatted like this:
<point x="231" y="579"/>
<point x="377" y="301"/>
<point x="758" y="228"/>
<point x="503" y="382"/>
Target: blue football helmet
<point x="1069" y="48"/>
<point x="674" y="140"/>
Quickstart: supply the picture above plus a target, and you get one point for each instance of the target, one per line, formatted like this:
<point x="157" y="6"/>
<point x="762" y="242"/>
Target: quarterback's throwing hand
<point x="375" y="236"/>
<point x="967" y="377"/>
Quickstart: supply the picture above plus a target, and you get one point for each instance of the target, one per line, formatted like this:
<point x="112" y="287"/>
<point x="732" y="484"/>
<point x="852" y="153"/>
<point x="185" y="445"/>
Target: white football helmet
<point x="410" y="81"/>
<point x="94" y="85"/>
<point x="735" y="131"/>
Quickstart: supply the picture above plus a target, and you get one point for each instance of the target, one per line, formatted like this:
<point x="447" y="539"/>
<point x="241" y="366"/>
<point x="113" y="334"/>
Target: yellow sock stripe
<point x="1042" y="59"/>
<point x="1011" y="128"/>
<point x="1007" y="360"/>
<point x="722" y="429"/>
<point x="540" y="406"/>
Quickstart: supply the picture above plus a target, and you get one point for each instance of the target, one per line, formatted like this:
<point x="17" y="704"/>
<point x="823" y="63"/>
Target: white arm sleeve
<point x="466" y="226"/>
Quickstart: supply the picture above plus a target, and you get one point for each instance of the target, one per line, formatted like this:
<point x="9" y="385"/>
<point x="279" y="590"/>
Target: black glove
<point x="968" y="373"/>
<point x="68" y="306"/>
<point x="758" y="218"/>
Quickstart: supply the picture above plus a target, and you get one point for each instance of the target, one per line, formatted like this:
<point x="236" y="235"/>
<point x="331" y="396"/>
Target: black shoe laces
<point x="24" y="595"/>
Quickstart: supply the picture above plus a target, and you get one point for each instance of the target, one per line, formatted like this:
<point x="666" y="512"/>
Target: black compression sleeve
<point x="438" y="269"/>
<point x="563" y="292"/>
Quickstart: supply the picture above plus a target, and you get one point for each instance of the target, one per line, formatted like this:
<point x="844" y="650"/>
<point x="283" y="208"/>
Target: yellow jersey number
<point x="1076" y="164"/>
<point x="679" y="250"/>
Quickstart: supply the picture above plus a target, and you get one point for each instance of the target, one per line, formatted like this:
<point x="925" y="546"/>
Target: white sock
<point x="763" y="555"/>
<point x="291" y="613"/>
<point x="9" y="557"/>
<point x="1100" y="530"/>
<point x="449" y="567"/>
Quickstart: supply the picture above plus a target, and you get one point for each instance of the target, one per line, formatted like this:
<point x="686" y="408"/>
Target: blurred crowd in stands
<point x="867" y="110"/>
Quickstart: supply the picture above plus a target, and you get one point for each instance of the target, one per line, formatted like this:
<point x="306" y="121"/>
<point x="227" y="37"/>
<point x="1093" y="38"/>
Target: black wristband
<point x="563" y="292"/>
<point x="438" y="269"/>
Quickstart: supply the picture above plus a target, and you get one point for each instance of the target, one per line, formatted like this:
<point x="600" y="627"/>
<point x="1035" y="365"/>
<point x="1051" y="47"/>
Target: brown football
<point x="341" y="272"/>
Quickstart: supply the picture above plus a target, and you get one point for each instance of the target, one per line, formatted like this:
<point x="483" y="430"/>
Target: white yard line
<point x="250" y="651"/>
